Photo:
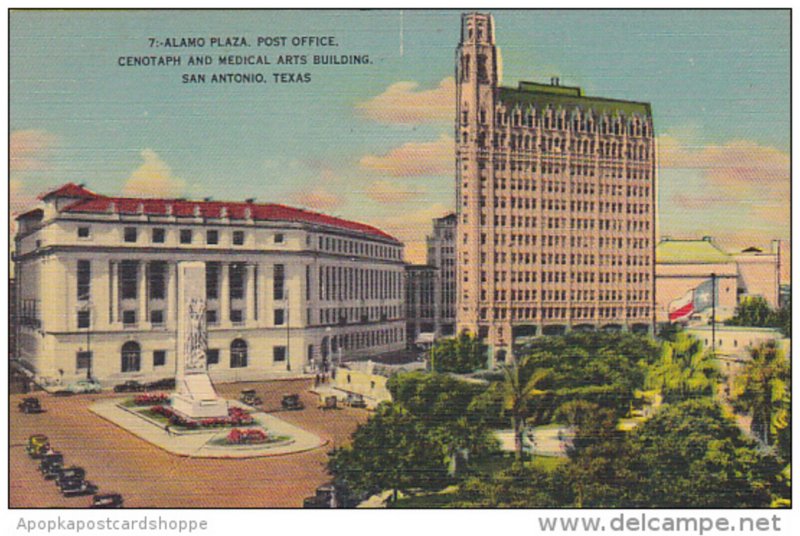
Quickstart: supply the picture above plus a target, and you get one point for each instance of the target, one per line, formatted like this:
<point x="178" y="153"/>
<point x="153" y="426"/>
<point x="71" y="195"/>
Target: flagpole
<point x="713" y="313"/>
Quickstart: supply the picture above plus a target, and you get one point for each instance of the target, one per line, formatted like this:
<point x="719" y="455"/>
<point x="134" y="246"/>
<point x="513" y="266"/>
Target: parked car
<point x="30" y="405"/>
<point x="107" y="500"/>
<point x="355" y="400"/>
<point x="292" y="402"/>
<point x="50" y="463"/>
<point x="325" y="498"/>
<point x="84" y="386"/>
<point x="77" y="486"/>
<point x="69" y="473"/>
<point x="130" y="386"/>
<point x="37" y="446"/>
<point x="162" y="384"/>
<point x="249" y="397"/>
<point x="328" y="402"/>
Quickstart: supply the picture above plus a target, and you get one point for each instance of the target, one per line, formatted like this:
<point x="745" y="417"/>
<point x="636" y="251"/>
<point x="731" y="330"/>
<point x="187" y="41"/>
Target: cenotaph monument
<point x="195" y="396"/>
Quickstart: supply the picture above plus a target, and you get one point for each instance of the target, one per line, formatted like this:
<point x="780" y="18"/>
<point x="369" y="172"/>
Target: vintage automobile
<point x="37" y="446"/>
<point x="355" y="400"/>
<point x="69" y="473"/>
<point x="50" y="463"/>
<point x="325" y="498"/>
<point x="292" y="402"/>
<point x="30" y="405"/>
<point x="107" y="500"/>
<point x="130" y="386"/>
<point x="77" y="486"/>
<point x="328" y="402"/>
<point x="162" y="384"/>
<point x="249" y="397"/>
<point x="83" y="386"/>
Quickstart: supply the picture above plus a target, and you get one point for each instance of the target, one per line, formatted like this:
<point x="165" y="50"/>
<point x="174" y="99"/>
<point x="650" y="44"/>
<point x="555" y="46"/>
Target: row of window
<point x="158" y="235"/>
<point x="353" y="247"/>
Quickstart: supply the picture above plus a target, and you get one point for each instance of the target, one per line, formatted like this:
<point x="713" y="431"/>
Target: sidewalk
<point x="198" y="444"/>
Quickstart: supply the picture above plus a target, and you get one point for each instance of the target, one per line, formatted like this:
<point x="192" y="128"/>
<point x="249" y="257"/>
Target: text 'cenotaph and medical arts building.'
<point x="287" y="290"/>
<point x="555" y="202"/>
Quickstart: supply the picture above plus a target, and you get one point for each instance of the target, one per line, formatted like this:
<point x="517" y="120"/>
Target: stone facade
<point x="555" y="203"/>
<point x="442" y="254"/>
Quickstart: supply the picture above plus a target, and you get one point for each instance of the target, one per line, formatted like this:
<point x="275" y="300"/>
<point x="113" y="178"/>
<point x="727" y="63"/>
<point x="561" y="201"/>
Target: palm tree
<point x="519" y="388"/>
<point x="684" y="370"/>
<point x="761" y="389"/>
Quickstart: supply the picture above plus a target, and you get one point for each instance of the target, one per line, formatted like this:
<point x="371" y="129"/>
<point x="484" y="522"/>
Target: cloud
<point x="391" y="192"/>
<point x="318" y="198"/>
<point x="738" y="191"/>
<point x="153" y="178"/>
<point x="402" y="103"/>
<point x="415" y="159"/>
<point x="412" y="227"/>
<point x="29" y="150"/>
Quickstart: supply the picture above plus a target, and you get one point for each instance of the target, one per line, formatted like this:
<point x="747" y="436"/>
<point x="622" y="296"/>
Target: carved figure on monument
<point x="196" y="337"/>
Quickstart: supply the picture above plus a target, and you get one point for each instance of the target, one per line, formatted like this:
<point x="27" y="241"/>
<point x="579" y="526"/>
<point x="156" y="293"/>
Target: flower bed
<point x="236" y="417"/>
<point x="254" y="436"/>
<point x="150" y="399"/>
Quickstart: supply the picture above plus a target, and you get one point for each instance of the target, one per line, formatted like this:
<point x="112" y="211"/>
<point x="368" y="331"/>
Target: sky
<point x="373" y="142"/>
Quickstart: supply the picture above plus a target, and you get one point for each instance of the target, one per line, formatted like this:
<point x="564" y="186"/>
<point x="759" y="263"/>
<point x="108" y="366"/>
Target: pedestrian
<point x="169" y="431"/>
<point x="316" y="380"/>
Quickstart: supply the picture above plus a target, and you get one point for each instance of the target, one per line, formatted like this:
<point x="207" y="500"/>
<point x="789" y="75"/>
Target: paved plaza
<point x="148" y="476"/>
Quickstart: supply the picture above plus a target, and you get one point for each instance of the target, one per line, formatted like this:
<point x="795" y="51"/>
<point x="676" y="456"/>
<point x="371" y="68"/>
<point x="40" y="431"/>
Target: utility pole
<point x="714" y="313"/>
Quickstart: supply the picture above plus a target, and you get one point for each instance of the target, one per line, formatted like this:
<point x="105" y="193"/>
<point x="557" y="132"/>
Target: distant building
<point x="759" y="273"/>
<point x="287" y="290"/>
<point x="420" y="287"/>
<point x="442" y="254"/>
<point x="555" y="203"/>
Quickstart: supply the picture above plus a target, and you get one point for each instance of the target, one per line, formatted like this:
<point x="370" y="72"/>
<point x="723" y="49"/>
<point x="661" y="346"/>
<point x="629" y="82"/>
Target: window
<point x="83" y="232"/>
<point x="278" y="353"/>
<point x="157" y="272"/>
<point x="158" y="235"/>
<point x="186" y="236"/>
<point x="238" y="238"/>
<point x="278" y="282"/>
<point x="128" y="279"/>
<point x="157" y="317"/>
<point x="212" y="237"/>
<point x="130" y="234"/>
<point x="211" y="317"/>
<point x="83" y="360"/>
<point x="131" y="357"/>
<point x="212" y="356"/>
<point x="236" y="316"/>
<point x="129" y="318"/>
<point x="238" y="353"/>
<point x="212" y="280"/>
<point x="84" y="319"/>
<point x="236" y="281"/>
<point x="279" y="317"/>
<point x="279" y="238"/>
<point x="159" y="358"/>
<point x="84" y="280"/>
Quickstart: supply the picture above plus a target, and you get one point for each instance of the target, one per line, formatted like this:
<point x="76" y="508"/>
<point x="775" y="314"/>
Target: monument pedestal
<point x="199" y="409"/>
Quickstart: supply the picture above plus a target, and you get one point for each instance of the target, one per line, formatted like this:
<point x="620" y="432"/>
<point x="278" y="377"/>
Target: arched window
<point x="131" y="357"/>
<point x="238" y="353"/>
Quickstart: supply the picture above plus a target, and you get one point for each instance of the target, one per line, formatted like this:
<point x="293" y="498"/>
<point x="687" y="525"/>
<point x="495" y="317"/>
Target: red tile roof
<point x="95" y="203"/>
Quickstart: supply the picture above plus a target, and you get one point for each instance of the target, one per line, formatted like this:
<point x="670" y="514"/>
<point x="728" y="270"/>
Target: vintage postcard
<point x="401" y="259"/>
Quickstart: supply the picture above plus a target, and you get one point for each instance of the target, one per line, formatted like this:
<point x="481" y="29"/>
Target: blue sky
<point x="718" y="82"/>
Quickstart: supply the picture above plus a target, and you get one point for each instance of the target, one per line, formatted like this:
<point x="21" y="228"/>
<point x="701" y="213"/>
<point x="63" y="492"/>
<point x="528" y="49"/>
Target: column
<point x="250" y="298"/>
<point x="142" y="292"/>
<point x="172" y="289"/>
<point x="224" y="295"/>
<point x="113" y="281"/>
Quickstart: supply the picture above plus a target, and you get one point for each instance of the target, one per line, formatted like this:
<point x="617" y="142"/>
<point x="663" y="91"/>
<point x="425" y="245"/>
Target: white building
<point x="287" y="289"/>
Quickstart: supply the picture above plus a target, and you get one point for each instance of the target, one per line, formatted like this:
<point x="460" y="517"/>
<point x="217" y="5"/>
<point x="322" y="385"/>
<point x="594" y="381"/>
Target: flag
<point x="696" y="300"/>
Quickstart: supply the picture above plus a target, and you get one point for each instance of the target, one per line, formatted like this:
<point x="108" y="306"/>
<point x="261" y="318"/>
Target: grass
<point x="223" y="442"/>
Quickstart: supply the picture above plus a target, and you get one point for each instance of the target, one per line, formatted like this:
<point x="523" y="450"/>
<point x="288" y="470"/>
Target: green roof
<point x="540" y="95"/>
<point x="690" y="252"/>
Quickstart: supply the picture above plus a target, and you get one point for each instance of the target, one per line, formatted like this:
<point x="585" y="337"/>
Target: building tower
<point x="555" y="204"/>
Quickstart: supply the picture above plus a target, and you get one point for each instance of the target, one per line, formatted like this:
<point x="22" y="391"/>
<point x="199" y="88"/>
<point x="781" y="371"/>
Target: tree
<point x="521" y="384"/>
<point x="394" y="451"/>
<point x="461" y="354"/>
<point x="761" y="390"/>
<point x="755" y="311"/>
<point x="684" y="370"/>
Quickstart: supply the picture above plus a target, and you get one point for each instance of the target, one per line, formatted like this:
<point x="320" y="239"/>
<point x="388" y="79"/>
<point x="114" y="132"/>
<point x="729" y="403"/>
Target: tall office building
<point x="555" y="203"/>
<point x="442" y="254"/>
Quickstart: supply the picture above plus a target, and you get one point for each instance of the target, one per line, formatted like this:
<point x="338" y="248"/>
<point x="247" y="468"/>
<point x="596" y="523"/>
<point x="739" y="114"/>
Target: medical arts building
<point x="288" y="291"/>
<point x="555" y="204"/>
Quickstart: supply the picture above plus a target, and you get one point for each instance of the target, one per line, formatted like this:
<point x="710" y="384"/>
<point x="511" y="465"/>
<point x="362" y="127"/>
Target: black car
<point x="325" y="498"/>
<point x="77" y="486"/>
<point x="163" y="384"/>
<point x="292" y="402"/>
<point x="51" y="463"/>
<point x="30" y="405"/>
<point x="69" y="473"/>
<point x="130" y="386"/>
<point x="107" y="500"/>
